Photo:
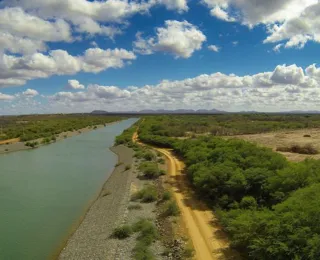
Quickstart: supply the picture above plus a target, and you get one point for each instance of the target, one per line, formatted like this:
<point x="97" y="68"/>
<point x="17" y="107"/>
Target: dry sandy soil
<point x="286" y="139"/>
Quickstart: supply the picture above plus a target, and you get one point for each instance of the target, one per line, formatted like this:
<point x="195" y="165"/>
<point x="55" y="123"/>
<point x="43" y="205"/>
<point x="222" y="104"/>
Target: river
<point x="44" y="191"/>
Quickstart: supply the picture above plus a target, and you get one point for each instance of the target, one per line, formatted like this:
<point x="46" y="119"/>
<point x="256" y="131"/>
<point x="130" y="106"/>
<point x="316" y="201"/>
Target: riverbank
<point x="91" y="239"/>
<point x="20" y="146"/>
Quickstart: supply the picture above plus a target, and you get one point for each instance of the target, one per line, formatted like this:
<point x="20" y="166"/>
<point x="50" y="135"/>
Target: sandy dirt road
<point x="10" y="141"/>
<point x="209" y="241"/>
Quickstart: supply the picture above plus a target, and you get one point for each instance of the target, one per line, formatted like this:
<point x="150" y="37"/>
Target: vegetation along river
<point x="44" y="191"/>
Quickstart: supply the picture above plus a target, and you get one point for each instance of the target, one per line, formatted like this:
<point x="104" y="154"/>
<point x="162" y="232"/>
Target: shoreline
<point x="117" y="185"/>
<point x="20" y="146"/>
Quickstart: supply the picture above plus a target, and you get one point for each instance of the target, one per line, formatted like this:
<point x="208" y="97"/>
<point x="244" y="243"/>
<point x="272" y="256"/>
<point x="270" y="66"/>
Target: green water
<point x="45" y="190"/>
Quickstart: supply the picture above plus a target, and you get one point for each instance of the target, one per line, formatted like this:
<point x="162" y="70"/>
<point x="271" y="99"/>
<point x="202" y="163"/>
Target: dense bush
<point x="147" y="235"/>
<point x="147" y="194"/>
<point x="166" y="195"/>
<point x="171" y="209"/>
<point x="126" y="136"/>
<point x="145" y="154"/>
<point x="160" y="130"/>
<point x="150" y="170"/>
<point x="33" y="127"/>
<point x="122" y="232"/>
<point x="267" y="205"/>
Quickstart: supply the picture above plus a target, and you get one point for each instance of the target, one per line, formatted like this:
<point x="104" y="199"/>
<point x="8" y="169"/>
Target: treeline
<point x="33" y="127"/>
<point x="228" y="124"/>
<point x="267" y="205"/>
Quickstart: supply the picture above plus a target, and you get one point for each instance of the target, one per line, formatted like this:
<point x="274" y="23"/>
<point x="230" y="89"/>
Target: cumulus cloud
<point x="214" y="48"/>
<point x="5" y="97"/>
<point x="178" y="38"/>
<point x="25" y="33"/>
<point x="298" y="30"/>
<point x="20" y="23"/>
<point x="286" y="87"/>
<point x="294" y="21"/>
<point x="180" y="5"/>
<point x="17" y="70"/>
<point x="91" y="16"/>
<point x="30" y="93"/>
<point x="74" y="85"/>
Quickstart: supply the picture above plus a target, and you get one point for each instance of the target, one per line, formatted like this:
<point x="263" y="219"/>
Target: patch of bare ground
<point x="275" y="140"/>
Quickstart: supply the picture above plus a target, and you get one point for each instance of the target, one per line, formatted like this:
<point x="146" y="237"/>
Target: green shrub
<point x="142" y="252"/>
<point x="248" y="202"/>
<point x="147" y="194"/>
<point x="122" y="232"/>
<point x="150" y="170"/>
<point x="188" y="252"/>
<point x="148" y="231"/>
<point x="161" y="160"/>
<point x="45" y="140"/>
<point x="166" y="195"/>
<point x="171" y="209"/>
<point x="162" y="172"/>
<point x="147" y="235"/>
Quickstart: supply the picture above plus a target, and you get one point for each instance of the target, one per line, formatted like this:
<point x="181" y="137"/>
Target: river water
<point x="44" y="191"/>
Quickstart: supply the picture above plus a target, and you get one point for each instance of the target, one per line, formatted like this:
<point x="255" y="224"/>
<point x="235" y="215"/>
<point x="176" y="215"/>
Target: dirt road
<point x="209" y="241"/>
<point x="10" y="141"/>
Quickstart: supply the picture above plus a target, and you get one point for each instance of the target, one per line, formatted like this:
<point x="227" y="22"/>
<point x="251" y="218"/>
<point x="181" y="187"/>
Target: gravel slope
<point x="92" y="238"/>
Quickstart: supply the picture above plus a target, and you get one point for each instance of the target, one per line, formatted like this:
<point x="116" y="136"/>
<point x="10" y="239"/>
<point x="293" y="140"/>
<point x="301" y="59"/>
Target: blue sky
<point x="78" y="55"/>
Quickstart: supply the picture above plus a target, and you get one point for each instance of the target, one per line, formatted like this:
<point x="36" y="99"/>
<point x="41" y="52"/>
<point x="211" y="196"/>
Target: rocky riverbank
<point x="92" y="240"/>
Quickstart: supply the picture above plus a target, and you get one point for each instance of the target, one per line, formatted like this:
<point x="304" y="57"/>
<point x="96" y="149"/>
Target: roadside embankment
<point x="91" y="240"/>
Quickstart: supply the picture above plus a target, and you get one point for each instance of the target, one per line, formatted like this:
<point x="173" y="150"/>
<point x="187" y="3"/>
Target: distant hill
<point x="99" y="112"/>
<point x="199" y="111"/>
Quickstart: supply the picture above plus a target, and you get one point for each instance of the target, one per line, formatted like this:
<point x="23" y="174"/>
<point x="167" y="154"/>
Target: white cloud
<point x="74" y="85"/>
<point x="277" y="47"/>
<point x="96" y="59"/>
<point x="214" y="48"/>
<point x="294" y="21"/>
<point x="235" y="43"/>
<point x="17" y="70"/>
<point x="5" y="97"/>
<point x="298" y="30"/>
<point x="291" y="75"/>
<point x="178" y="38"/>
<point x="180" y="5"/>
<point x="25" y="33"/>
<point x="313" y="71"/>
<point x="106" y="11"/>
<point x="287" y="87"/>
<point x="20" y="23"/>
<point x="14" y="44"/>
<point x="221" y="14"/>
<point x="30" y="93"/>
